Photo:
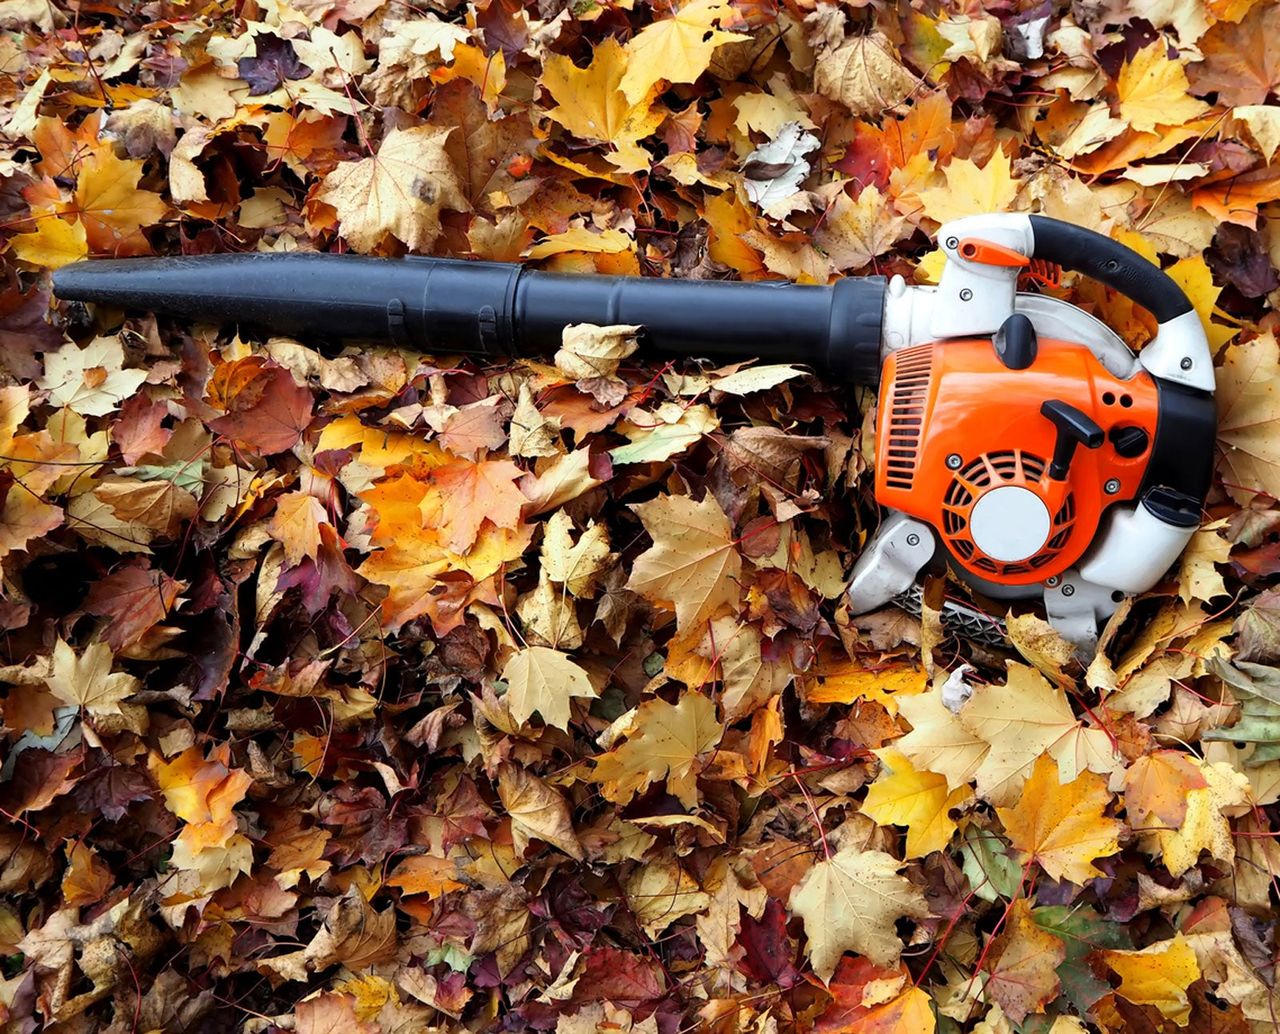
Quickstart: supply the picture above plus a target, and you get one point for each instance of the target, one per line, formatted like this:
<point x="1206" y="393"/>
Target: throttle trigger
<point x="987" y="253"/>
<point x="1074" y="428"/>
<point x="1015" y="342"/>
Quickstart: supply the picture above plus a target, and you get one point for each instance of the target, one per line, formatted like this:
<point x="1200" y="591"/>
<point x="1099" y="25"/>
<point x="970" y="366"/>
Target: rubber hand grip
<point x="1084" y="251"/>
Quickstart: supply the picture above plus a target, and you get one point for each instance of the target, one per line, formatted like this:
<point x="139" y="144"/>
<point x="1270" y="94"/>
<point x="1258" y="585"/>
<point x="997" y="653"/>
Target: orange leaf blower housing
<point x="981" y="475"/>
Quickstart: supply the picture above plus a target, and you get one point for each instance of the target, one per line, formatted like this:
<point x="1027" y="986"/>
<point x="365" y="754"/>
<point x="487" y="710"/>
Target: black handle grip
<point x="1084" y="251"/>
<point x="1074" y="428"/>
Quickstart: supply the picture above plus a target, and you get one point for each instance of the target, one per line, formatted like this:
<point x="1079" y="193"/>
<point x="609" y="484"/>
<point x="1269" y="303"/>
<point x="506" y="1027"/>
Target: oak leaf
<point x="850" y="902"/>
<point x="398" y="192"/>
<point x="544" y="680"/>
<point x="1062" y="826"/>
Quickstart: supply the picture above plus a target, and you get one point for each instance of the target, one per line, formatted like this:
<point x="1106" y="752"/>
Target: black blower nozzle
<point x="496" y="309"/>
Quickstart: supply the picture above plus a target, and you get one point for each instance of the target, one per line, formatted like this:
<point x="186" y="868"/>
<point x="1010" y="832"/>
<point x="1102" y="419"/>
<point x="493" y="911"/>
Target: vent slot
<point x="904" y="423"/>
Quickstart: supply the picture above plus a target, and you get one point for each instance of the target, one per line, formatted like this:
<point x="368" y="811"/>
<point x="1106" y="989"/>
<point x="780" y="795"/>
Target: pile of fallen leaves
<point x="370" y="692"/>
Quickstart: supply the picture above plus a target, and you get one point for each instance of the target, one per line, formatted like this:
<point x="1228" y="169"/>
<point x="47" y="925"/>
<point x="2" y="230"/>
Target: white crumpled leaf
<point x="774" y="171"/>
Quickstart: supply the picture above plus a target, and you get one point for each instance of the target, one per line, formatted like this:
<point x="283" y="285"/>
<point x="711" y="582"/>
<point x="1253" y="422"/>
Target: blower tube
<point x="497" y="309"/>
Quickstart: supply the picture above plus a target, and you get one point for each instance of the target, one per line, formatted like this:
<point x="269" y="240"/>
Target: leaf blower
<point x="1017" y="437"/>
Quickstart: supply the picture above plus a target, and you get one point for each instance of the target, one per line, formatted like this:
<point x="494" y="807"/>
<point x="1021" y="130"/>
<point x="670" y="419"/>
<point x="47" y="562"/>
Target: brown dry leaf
<point x="1248" y="403"/>
<point x="537" y="812"/>
<point x="864" y="74"/>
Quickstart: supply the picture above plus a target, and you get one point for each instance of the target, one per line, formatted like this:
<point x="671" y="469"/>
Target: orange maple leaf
<point x="468" y="494"/>
<point x="112" y="208"/>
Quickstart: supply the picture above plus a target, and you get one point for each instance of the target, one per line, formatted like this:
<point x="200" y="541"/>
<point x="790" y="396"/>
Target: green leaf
<point x="992" y="873"/>
<point x="1257" y="687"/>
<point x="1083" y="932"/>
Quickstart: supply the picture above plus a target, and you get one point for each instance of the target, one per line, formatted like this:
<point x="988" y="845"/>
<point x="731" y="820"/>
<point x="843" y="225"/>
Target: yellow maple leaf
<point x="87" y="680"/>
<point x="1205" y="825"/>
<point x="693" y="565"/>
<point x="677" y="49"/>
<point x="855" y="232"/>
<point x="198" y="789"/>
<point x="55" y="243"/>
<point x="90" y="381"/>
<point x="1198" y="577"/>
<point x="1154" y="91"/>
<point x="1195" y="278"/>
<point x="850" y="902"/>
<point x="398" y="192"/>
<point x="1062" y="826"/>
<point x="1023" y="719"/>
<point x="972" y="190"/>
<point x="664" y="741"/>
<point x="919" y="800"/>
<point x="1248" y="411"/>
<point x="542" y="679"/>
<point x="592" y="105"/>
<point x="939" y="741"/>
<point x="1158" y="975"/>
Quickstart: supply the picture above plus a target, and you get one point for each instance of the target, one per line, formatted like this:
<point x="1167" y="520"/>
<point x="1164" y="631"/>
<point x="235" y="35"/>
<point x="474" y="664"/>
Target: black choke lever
<point x="1074" y="428"/>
